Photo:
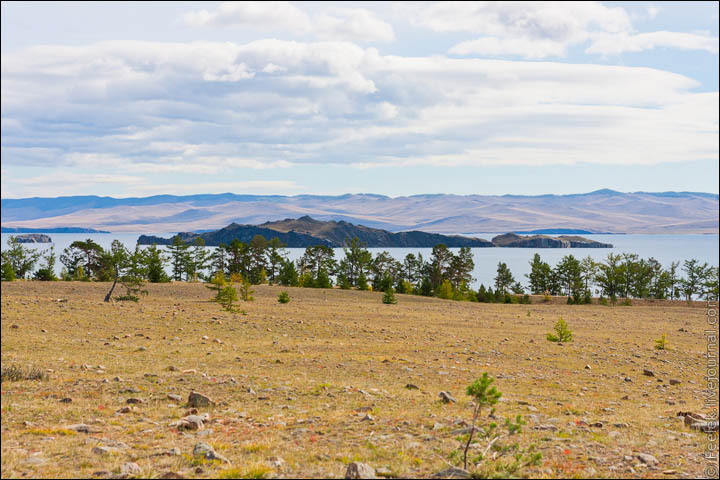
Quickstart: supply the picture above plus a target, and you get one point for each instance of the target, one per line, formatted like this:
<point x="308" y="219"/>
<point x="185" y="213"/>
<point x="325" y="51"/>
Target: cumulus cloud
<point x="353" y="24"/>
<point x="620" y="43"/>
<point x="143" y="108"/>
<point x="527" y="29"/>
<point x="537" y="30"/>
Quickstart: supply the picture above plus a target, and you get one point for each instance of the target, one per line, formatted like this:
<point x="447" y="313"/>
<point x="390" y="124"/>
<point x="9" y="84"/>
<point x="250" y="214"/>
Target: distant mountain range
<point x="51" y="230"/>
<point x="600" y="211"/>
<point x="306" y="231"/>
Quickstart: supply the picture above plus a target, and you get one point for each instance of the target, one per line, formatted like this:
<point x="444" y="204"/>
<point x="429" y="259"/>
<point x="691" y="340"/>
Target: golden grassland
<point x="321" y="382"/>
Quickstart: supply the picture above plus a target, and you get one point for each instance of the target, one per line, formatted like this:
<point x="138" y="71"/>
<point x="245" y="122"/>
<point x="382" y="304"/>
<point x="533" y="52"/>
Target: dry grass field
<point x="303" y="389"/>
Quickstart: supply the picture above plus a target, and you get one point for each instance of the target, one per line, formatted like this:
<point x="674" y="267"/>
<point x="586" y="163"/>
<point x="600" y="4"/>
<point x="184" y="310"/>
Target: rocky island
<point x="545" y="241"/>
<point x="33" y="238"/>
<point x="306" y="231"/>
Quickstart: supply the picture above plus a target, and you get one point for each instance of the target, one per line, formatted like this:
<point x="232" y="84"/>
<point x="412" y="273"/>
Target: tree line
<point x="445" y="274"/>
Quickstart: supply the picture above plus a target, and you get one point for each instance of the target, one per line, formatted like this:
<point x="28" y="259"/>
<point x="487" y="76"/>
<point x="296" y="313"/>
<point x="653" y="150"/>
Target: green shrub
<point x="13" y="373"/>
<point x="226" y="297"/>
<point x="603" y="301"/>
<point x="660" y="343"/>
<point x="445" y="290"/>
<point x="562" y="332"/>
<point x="484" y="395"/>
<point x="246" y="290"/>
<point x="284" y="297"/>
<point x="389" y="296"/>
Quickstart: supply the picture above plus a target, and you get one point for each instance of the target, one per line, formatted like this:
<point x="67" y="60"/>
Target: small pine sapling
<point x="284" y="297"/>
<point x="660" y="343"/>
<point x="246" y="290"/>
<point x="562" y="332"/>
<point x="389" y="296"/>
<point x="484" y="395"/>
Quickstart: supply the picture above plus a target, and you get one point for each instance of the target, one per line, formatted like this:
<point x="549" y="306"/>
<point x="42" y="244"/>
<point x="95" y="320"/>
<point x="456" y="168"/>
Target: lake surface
<point x="664" y="248"/>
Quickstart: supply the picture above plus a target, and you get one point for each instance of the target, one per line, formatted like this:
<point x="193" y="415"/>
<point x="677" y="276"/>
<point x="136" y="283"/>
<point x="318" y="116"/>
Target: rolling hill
<point x="599" y="211"/>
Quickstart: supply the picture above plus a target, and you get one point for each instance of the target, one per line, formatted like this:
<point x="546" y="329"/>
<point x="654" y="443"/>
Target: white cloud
<point x="620" y="43"/>
<point x="258" y="15"/>
<point x="548" y="29"/>
<point x="523" y="47"/>
<point x="526" y="29"/>
<point x="143" y="109"/>
<point x="353" y="24"/>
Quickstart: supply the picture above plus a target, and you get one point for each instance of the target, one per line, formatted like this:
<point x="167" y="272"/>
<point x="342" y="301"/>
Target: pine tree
<point x="179" y="257"/>
<point x="445" y="290"/>
<point x="155" y="264"/>
<point x="389" y="296"/>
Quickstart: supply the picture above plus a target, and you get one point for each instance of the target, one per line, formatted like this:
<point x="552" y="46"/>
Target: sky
<point x="394" y="98"/>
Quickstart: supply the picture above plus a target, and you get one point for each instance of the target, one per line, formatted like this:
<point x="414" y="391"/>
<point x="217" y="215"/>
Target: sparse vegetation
<point x="483" y="395"/>
<point x="389" y="296"/>
<point x="14" y="373"/>
<point x="283" y="297"/>
<point x="562" y="332"/>
<point x="660" y="343"/>
<point x="329" y="369"/>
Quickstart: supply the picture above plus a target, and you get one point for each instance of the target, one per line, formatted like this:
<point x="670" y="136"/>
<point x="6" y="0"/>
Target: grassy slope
<point x="307" y="362"/>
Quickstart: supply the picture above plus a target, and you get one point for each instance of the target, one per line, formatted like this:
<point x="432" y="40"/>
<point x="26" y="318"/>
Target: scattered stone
<point x="15" y="326"/>
<point x="277" y="462"/>
<point x="410" y="386"/>
<point x="173" y="452"/>
<point x="81" y="428"/>
<point x="66" y="400"/>
<point x="35" y="460"/>
<point x="384" y="472"/>
<point x="674" y="381"/>
<point x="103" y="450"/>
<point x="587" y="367"/>
<point x="648" y="373"/>
<point x="169" y="475"/>
<point x="173" y="368"/>
<point x="193" y="422"/>
<point x="174" y="397"/>
<point x="647" y="459"/>
<point x="125" y="410"/>
<point x="196" y="399"/>
<point x="368" y="418"/>
<point x="452" y="472"/>
<point x="130" y="468"/>
<point x="133" y="400"/>
<point x="446" y="397"/>
<point x="552" y="428"/>
<point x="204" y="450"/>
<point x="359" y="470"/>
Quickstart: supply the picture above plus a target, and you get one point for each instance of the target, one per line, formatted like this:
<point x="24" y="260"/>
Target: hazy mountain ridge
<point x="599" y="211"/>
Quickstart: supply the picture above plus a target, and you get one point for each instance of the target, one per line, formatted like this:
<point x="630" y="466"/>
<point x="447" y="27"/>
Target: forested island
<point x="306" y="231"/>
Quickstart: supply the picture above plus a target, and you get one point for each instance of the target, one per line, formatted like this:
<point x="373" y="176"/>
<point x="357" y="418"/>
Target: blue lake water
<point x="664" y="248"/>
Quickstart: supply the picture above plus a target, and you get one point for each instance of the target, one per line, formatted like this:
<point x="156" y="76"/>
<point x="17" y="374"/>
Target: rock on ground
<point x="204" y="450"/>
<point x="196" y="399"/>
<point x="359" y="470"/>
